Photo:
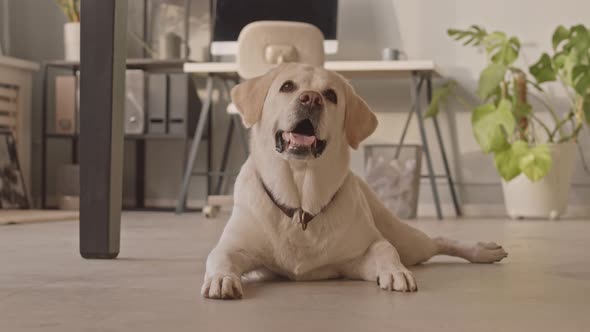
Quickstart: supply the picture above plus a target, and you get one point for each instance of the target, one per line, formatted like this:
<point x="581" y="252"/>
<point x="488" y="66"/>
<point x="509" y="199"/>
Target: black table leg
<point x="74" y="150"/>
<point x="77" y="130"/>
<point x="102" y="86"/>
<point x="140" y="174"/>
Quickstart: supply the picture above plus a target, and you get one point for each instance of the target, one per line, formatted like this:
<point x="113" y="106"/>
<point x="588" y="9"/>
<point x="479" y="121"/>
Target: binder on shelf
<point x="157" y="104"/>
<point x="183" y="105"/>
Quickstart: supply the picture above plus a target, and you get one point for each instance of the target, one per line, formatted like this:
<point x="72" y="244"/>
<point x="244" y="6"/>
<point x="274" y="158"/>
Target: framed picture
<point x="13" y="194"/>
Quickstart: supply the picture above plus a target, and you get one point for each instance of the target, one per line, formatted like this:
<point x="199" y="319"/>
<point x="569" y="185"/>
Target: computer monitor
<point x="233" y="15"/>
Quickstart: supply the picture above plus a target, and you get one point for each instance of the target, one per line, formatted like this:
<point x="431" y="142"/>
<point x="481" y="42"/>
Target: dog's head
<point x="305" y="110"/>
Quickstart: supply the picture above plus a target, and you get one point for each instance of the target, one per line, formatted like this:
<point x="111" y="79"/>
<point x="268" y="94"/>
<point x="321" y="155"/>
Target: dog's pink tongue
<point x="302" y="140"/>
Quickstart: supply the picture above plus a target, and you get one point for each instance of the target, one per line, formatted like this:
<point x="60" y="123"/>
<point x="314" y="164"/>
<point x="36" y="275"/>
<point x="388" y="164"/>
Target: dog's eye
<point x="288" y="86"/>
<point x="331" y="96"/>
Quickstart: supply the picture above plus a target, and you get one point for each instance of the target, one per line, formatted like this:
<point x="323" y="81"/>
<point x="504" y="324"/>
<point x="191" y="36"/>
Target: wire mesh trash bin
<point x="393" y="172"/>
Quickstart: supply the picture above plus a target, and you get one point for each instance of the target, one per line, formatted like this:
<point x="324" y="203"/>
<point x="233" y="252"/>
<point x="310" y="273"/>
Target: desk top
<point x="350" y="69"/>
<point x="132" y="63"/>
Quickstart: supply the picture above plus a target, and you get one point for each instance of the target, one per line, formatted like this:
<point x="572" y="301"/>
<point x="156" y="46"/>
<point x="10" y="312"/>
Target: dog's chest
<point x="340" y="233"/>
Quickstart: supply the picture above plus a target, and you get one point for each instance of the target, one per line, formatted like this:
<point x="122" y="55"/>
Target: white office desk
<point x="419" y="71"/>
<point x="351" y="69"/>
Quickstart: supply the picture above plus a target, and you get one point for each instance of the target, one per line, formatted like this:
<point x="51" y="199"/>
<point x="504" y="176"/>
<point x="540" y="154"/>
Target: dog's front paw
<point x="222" y="286"/>
<point x="397" y="279"/>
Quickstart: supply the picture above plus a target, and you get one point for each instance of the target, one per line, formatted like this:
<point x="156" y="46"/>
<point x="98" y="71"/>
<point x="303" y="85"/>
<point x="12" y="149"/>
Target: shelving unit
<point x="150" y="66"/>
<point x="130" y="137"/>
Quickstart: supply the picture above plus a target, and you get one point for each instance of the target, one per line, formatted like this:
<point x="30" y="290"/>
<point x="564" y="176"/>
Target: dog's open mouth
<point x="300" y="141"/>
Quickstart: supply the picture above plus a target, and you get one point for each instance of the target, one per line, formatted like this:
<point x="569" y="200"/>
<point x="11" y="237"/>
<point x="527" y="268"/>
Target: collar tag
<point x="298" y="215"/>
<point x="302" y="220"/>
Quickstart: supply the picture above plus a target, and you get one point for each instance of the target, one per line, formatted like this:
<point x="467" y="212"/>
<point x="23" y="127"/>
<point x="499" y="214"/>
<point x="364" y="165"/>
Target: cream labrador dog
<point x="299" y="212"/>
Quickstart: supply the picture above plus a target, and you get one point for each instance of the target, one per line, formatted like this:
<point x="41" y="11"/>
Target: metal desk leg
<point x="238" y="125"/>
<point x="234" y="124"/>
<point x="418" y="107"/>
<point x="441" y="146"/>
<point x="226" y="150"/>
<point x="221" y="177"/>
<point x="188" y="172"/>
<point x="406" y="126"/>
<point x="209" y="153"/>
<point x="103" y="48"/>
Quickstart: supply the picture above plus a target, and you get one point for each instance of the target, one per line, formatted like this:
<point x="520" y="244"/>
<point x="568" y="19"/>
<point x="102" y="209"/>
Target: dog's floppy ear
<point x="360" y="121"/>
<point x="249" y="96"/>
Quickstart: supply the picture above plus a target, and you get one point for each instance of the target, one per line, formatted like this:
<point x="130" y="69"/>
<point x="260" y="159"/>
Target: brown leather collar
<point x="303" y="216"/>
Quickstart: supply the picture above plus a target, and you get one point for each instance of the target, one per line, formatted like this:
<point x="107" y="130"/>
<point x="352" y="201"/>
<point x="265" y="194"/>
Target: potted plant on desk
<point x="71" y="9"/>
<point x="535" y="158"/>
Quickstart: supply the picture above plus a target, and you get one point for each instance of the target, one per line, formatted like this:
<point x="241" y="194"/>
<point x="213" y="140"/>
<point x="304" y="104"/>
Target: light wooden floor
<point x="544" y="285"/>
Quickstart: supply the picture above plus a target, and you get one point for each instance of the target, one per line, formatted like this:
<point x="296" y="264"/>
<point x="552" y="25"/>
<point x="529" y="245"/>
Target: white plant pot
<point x="548" y="197"/>
<point x="72" y="41"/>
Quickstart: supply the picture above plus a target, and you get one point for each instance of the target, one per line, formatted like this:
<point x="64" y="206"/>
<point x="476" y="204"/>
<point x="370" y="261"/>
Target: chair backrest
<point x="263" y="45"/>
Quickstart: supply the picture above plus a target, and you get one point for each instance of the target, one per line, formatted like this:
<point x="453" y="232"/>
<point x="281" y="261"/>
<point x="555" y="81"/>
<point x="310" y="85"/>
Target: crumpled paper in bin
<point x="392" y="181"/>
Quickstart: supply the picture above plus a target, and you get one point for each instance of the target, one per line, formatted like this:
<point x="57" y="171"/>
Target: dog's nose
<point x="310" y="98"/>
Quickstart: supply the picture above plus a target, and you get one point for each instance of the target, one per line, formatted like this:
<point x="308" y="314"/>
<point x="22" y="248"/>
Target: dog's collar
<point x="303" y="216"/>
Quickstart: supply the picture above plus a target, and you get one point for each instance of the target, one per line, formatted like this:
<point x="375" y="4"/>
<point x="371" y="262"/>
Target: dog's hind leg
<point x="480" y="252"/>
<point x="415" y="247"/>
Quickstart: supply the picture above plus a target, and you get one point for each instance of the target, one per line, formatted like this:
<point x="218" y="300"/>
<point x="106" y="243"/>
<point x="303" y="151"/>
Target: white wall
<point x="365" y="27"/>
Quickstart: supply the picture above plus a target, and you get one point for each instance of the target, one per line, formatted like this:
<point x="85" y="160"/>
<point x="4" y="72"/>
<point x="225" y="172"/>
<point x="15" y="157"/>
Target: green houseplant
<point x="71" y="9"/>
<point x="506" y="125"/>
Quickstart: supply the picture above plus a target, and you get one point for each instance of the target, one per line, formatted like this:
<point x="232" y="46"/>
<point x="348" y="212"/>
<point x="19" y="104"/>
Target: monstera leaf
<point x="559" y="60"/>
<point x="500" y="48"/>
<point x="519" y="158"/>
<point x="492" y="125"/>
<point x="578" y="40"/>
<point x="473" y="36"/>
<point x="490" y="79"/>
<point x="572" y="56"/>
<point x="503" y="50"/>
<point x="508" y="160"/>
<point x="581" y="79"/>
<point x="536" y="163"/>
<point x="543" y="70"/>
<point x="560" y="34"/>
